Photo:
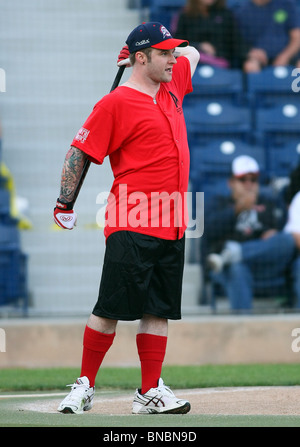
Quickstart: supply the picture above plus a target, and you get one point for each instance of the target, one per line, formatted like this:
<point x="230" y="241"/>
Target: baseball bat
<point x="87" y="162"/>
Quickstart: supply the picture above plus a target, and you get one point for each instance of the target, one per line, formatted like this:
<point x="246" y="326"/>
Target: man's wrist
<point x="64" y="205"/>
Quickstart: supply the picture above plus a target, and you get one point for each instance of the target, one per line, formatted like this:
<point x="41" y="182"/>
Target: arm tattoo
<point x="71" y="173"/>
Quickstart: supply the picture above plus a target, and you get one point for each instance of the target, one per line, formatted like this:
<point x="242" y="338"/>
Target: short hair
<point x="146" y="51"/>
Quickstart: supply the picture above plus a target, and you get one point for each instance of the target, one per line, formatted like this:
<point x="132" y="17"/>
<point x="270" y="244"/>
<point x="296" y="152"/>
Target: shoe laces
<point x="77" y="389"/>
<point x="163" y="389"/>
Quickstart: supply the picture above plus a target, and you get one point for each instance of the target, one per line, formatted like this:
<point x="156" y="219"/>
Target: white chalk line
<point x="182" y="391"/>
<point x="12" y="396"/>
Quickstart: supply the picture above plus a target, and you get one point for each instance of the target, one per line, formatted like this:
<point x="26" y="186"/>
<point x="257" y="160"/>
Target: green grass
<point x="202" y="376"/>
<point x="13" y="413"/>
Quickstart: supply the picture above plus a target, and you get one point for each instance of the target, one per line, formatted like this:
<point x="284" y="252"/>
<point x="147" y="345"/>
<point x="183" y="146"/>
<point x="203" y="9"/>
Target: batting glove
<point x="64" y="216"/>
<point x="123" y="58"/>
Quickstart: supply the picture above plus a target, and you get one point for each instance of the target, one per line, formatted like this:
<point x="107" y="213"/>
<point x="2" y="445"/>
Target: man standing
<point x="140" y="126"/>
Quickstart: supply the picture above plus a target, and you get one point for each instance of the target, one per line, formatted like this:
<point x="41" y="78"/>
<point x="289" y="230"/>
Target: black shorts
<point x="141" y="275"/>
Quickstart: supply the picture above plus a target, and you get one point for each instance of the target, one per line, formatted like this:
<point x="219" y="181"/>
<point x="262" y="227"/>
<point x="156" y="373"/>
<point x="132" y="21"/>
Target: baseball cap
<point x="244" y="164"/>
<point x="152" y="34"/>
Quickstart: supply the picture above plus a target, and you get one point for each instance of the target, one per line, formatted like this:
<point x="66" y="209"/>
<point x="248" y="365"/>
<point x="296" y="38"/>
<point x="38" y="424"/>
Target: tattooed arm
<point x="64" y="215"/>
<point x="71" y="173"/>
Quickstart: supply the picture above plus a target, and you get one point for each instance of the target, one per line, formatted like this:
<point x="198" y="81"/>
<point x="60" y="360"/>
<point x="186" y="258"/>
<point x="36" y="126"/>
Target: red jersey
<point x="146" y="142"/>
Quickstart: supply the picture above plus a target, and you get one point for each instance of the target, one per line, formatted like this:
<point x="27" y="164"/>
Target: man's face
<point x="161" y="65"/>
<point x="245" y="184"/>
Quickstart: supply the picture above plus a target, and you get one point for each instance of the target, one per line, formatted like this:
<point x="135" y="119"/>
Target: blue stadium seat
<point x="233" y="4"/>
<point x="13" y="269"/>
<point x="5" y="208"/>
<point x="211" y="163"/>
<point x="284" y="158"/>
<point x="9" y="237"/>
<point x="2" y="180"/>
<point x="210" y="119"/>
<point x="163" y="11"/>
<point x="145" y="3"/>
<point x="217" y="83"/>
<point x="275" y="125"/>
<point x="271" y="86"/>
<point x="167" y="3"/>
<point x="4" y="205"/>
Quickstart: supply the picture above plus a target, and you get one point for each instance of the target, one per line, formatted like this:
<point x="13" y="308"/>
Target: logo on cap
<point x="142" y="42"/>
<point x="165" y="32"/>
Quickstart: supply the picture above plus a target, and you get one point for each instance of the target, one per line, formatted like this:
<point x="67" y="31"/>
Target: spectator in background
<point x="293" y="225"/>
<point x="271" y="29"/>
<point x="210" y="27"/>
<point x="242" y="243"/>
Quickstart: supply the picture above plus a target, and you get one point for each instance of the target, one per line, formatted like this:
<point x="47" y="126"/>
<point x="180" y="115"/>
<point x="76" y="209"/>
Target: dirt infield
<point x="209" y="401"/>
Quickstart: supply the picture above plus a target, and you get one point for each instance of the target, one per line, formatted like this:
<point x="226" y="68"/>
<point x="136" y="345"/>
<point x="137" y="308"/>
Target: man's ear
<point x="140" y="57"/>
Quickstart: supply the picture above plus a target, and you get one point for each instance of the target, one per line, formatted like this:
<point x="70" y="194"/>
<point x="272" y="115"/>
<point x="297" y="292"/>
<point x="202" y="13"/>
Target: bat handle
<point x="118" y="77"/>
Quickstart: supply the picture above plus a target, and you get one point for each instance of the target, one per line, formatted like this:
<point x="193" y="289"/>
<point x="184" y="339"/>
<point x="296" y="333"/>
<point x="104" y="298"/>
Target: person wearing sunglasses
<point x="243" y="247"/>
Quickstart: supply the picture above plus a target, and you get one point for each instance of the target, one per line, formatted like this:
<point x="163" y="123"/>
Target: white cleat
<point x="79" y="399"/>
<point x="159" y="400"/>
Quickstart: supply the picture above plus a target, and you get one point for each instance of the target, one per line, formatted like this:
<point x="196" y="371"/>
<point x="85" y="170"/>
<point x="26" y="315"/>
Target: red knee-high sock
<point x="95" y="346"/>
<point x="151" y="350"/>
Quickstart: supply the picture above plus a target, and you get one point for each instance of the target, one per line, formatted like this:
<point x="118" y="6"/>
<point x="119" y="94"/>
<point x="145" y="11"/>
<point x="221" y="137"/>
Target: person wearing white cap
<point x="243" y="246"/>
<point x="243" y="165"/>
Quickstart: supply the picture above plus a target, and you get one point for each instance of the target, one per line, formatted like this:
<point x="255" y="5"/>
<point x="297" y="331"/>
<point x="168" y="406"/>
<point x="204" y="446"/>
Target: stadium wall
<point x="192" y="341"/>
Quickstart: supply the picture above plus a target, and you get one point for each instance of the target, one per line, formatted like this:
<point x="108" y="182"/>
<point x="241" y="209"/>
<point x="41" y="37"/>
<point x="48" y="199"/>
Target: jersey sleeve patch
<point x="82" y="135"/>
